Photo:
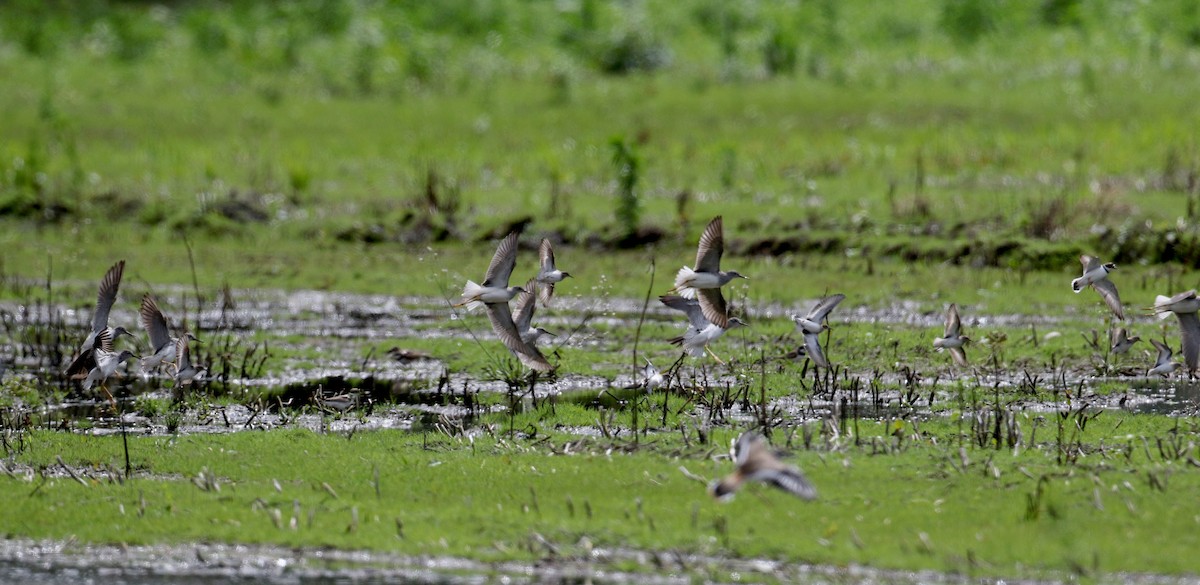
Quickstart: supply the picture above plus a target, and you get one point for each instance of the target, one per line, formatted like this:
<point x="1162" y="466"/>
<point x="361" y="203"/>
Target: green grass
<point x="909" y="154"/>
<point x="914" y="507"/>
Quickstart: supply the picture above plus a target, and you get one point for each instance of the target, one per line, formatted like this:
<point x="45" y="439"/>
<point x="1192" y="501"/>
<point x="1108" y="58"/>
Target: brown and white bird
<point x="1095" y="274"/>
<point x="495" y="287"/>
<point x="1184" y="306"/>
<point x="704" y="282"/>
<point x="161" y="342"/>
<point x="952" y="338"/>
<point x="700" y="331"/>
<point x="526" y="304"/>
<point x="811" y="326"/>
<point x="1122" y="341"/>
<point x="755" y="461"/>
<point x="548" y="275"/>
<point x="185" y="371"/>
<point x="105" y="297"/>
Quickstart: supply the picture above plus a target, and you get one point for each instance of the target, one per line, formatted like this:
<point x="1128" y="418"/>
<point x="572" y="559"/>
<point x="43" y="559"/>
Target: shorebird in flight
<point x="704" y="282"/>
<point x="755" y="461"/>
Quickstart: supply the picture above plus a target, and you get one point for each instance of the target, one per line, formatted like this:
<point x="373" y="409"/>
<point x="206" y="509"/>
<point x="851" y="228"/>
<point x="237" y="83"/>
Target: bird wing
<point x="182" y="359"/>
<point x="712" y="306"/>
<point x="154" y="323"/>
<point x="1108" y="290"/>
<point x="960" y="356"/>
<point x="502" y="263"/>
<point x="104" y="340"/>
<point x="1089" y="263"/>
<point x="506" y="330"/>
<point x="712" y="244"/>
<point x="1189" y="324"/>
<point x="788" y="479"/>
<point x="107" y="295"/>
<point x="689" y="306"/>
<point x="747" y="443"/>
<point x="546" y="255"/>
<point x="82" y="364"/>
<point x="1116" y="336"/>
<point x="526" y="303"/>
<point x="813" y="344"/>
<point x="1164" y="352"/>
<point x="821" y="311"/>
<point x="953" y="322"/>
<point x="545" y="291"/>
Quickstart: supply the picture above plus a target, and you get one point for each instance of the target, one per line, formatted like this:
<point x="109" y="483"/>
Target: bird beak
<point x="549" y="333"/>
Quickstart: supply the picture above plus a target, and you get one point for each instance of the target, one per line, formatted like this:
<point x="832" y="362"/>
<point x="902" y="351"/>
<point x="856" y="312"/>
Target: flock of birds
<point x="696" y="293"/>
<point x="98" y="360"/>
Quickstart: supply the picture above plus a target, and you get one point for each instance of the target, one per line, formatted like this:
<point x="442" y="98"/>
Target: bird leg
<point x="714" y="356"/>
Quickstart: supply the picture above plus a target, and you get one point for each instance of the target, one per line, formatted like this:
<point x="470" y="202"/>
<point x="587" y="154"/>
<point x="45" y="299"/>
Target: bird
<point x="161" y="342"/>
<point x="700" y="330"/>
<point x="185" y="371"/>
<point x="502" y="323"/>
<point x="1122" y="341"/>
<point x="1184" y="302"/>
<point x="1095" y="274"/>
<point x="105" y="297"/>
<point x="651" y="377"/>
<point x="755" y="461"/>
<point x="704" y="282"/>
<point x="812" y="324"/>
<point x="526" y="304"/>
<point x="495" y="287"/>
<point x="953" y="339"/>
<point x="103" y="363"/>
<point x="548" y="275"/>
<point x="1163" y="365"/>
<point x="1184" y="305"/>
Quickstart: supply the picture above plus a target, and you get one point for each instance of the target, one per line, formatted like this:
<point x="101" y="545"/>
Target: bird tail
<point x="1077" y="285"/>
<point x="470" y="296"/>
<point x="682" y="277"/>
<point x="1160" y="307"/>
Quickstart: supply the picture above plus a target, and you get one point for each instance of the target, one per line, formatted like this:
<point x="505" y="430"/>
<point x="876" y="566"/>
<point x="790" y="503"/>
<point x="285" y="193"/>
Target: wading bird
<point x="1163" y="365"/>
<point x="953" y="339"/>
<point x="700" y="330"/>
<point x="755" y="461"/>
<point x="1095" y="274"/>
<point x="105" y="297"/>
<point x="161" y="342"/>
<point x="185" y="371"/>
<point x="704" y="282"/>
<point x="548" y="275"/>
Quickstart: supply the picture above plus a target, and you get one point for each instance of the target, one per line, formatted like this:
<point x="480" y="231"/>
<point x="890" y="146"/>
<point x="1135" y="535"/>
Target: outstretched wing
<point x="812" y="343"/>
<point x="691" y="307"/>
<point x="1089" y="263"/>
<point x="953" y="322"/>
<point x="107" y="295"/>
<point x="821" y="311"/>
<point x="502" y="263"/>
<point x="712" y="244"/>
<point x="1108" y="291"/>
<point x="546" y="255"/>
<point x="788" y="479"/>
<point x="506" y="330"/>
<point x="526" y="303"/>
<point x="960" y="356"/>
<point x="154" y="323"/>
<point x="713" y="307"/>
<point x="1189" y="324"/>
